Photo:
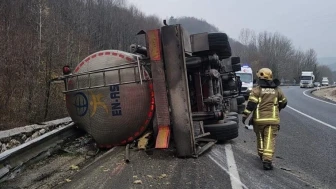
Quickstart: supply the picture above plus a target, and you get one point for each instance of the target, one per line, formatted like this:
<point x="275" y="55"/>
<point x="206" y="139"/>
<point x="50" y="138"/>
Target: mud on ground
<point x="58" y="168"/>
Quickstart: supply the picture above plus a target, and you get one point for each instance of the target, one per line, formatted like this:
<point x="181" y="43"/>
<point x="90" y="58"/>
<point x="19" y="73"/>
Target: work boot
<point x="267" y="165"/>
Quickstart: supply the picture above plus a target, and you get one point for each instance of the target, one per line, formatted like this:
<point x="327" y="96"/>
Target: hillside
<point x="195" y="25"/>
<point x="328" y="61"/>
<point x="39" y="37"/>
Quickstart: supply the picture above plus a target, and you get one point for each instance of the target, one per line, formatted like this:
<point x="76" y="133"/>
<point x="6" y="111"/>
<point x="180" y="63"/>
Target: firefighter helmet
<point x="265" y="73"/>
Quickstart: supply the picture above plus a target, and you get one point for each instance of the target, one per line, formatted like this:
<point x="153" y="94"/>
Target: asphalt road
<point x="305" y="158"/>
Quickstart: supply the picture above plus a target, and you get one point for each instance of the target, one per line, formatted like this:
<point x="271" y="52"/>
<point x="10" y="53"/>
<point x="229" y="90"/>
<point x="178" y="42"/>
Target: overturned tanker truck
<point x="180" y="86"/>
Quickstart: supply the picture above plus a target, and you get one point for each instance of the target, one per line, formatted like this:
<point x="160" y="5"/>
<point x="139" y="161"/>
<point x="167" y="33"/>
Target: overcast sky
<point x="308" y="23"/>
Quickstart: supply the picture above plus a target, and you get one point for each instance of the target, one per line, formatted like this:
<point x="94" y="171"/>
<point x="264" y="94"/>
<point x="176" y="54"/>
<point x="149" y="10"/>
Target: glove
<point x="244" y="117"/>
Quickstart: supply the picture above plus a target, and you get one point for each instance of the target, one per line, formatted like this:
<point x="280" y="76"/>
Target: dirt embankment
<point x="328" y="93"/>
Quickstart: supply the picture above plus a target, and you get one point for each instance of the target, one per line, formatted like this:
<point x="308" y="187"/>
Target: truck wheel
<point x="235" y="114"/>
<point x="231" y="118"/>
<point x="226" y="93"/>
<point x="235" y="60"/>
<point x="240" y="100"/>
<point x="223" y="130"/>
<point x="241" y="108"/>
<point x="219" y="43"/>
<point x="233" y="105"/>
<point x="232" y="85"/>
<point x="236" y="67"/>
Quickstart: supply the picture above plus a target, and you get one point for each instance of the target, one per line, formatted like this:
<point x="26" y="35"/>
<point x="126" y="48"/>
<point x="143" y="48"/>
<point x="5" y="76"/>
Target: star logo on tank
<point x="96" y="102"/>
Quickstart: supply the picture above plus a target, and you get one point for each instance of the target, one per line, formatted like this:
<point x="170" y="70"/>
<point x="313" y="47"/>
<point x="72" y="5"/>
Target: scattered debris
<point x="83" y="145"/>
<point x="127" y="157"/>
<point x="14" y="137"/>
<point x="42" y="131"/>
<point x="162" y="176"/>
<point x="3" y="148"/>
<point x="35" y="135"/>
<point x="74" y="167"/>
<point x="28" y="139"/>
<point x="24" y="137"/>
<point x="137" y="182"/>
<point x="285" y="169"/>
<point x="12" y="143"/>
<point x="149" y="176"/>
<point x="143" y="141"/>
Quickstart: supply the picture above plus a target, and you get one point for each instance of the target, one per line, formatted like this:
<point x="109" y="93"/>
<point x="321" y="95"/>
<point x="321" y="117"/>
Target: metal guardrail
<point x="14" y="160"/>
<point x="331" y="86"/>
<point x="31" y="128"/>
<point x="288" y="84"/>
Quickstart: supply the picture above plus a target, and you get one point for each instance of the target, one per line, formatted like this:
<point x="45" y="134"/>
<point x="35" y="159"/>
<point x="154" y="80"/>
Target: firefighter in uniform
<point x="265" y="102"/>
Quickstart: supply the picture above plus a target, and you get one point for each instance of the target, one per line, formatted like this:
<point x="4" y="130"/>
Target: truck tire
<point x="233" y="105"/>
<point x="232" y="85"/>
<point x="235" y="114"/>
<point x="241" y="108"/>
<point x="219" y="44"/>
<point x="235" y="60"/>
<point x="223" y="130"/>
<point x="226" y="93"/>
<point x="231" y="118"/>
<point x="229" y="85"/>
<point x="240" y="100"/>
<point x="236" y="67"/>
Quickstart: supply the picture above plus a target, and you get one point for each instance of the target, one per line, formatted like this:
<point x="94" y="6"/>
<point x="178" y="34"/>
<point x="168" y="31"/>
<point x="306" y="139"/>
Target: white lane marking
<point x="326" y="124"/>
<point x="304" y="93"/>
<point x="232" y="171"/>
<point x="232" y="167"/>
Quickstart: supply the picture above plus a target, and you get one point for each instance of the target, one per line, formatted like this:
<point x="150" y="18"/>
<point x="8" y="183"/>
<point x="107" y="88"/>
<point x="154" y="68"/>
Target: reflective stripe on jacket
<point x="265" y="104"/>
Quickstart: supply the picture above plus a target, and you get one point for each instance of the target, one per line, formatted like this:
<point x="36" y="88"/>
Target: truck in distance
<point x="325" y="81"/>
<point x="307" y="79"/>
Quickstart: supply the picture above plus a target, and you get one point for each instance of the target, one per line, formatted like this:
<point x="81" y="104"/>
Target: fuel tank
<point x="106" y="98"/>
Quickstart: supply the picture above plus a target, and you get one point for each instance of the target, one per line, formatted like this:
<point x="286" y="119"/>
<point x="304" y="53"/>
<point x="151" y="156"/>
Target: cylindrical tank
<point x="116" y="109"/>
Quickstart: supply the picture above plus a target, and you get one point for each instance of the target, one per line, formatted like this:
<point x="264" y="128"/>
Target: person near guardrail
<point x="265" y="101"/>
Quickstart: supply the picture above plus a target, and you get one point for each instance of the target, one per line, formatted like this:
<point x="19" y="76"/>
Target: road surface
<point x="305" y="158"/>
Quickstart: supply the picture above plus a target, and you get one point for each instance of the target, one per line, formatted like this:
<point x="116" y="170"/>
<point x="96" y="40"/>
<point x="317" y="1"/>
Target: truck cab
<point x="307" y="79"/>
<point x="246" y="76"/>
<point x="325" y="81"/>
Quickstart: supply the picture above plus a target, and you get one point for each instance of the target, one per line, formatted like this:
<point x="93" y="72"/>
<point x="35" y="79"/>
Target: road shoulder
<point x="327" y="94"/>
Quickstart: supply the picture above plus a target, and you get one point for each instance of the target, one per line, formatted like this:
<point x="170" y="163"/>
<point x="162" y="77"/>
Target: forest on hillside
<point x="39" y="37"/>
<point x="265" y="49"/>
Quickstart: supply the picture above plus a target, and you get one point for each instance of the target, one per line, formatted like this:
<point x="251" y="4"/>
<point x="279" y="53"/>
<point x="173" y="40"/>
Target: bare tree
<point x="274" y="51"/>
<point x="38" y="37"/>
